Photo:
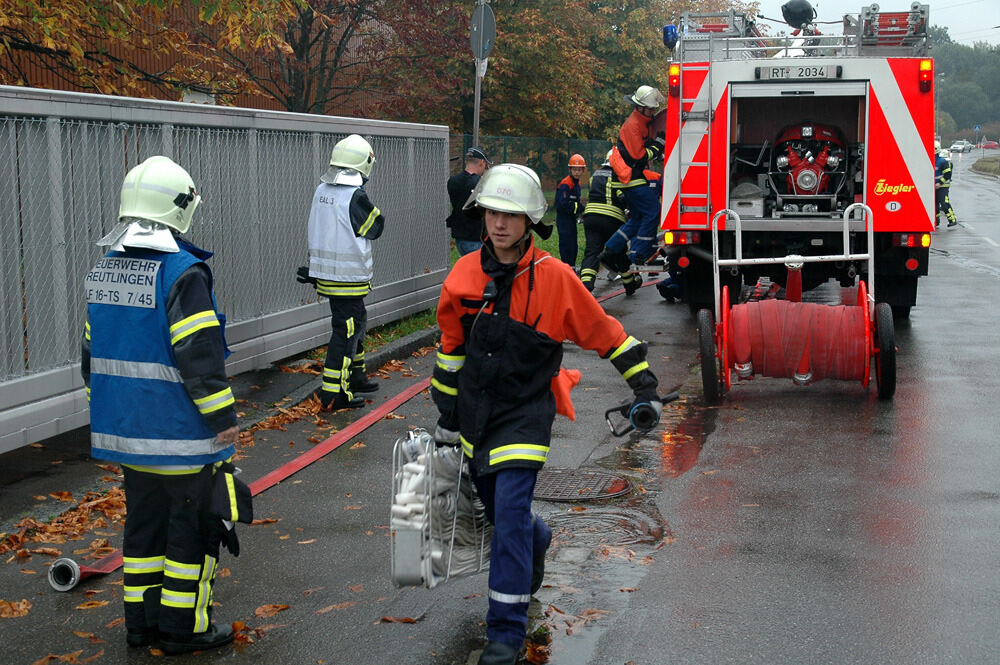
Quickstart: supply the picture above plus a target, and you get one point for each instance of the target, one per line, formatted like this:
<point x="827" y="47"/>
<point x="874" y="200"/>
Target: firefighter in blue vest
<point x="342" y="224"/>
<point x="153" y="362"/>
<point x="569" y="208"/>
<point x="504" y="313"/>
<point x="942" y="185"/>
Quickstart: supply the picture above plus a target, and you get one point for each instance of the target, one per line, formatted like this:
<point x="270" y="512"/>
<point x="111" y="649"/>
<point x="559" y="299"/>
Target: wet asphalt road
<point x="787" y="525"/>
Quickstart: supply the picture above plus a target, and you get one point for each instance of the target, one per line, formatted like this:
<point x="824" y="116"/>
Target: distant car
<point x="961" y="145"/>
<point x="990" y="145"/>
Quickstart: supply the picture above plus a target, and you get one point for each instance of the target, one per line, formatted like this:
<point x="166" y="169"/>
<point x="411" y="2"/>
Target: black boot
<point x="632" y="285"/>
<point x="142" y="637"/>
<point x="538" y="567"/>
<point x="498" y="653"/>
<point x="212" y="638"/>
<point x="336" y="401"/>
<point x="360" y="383"/>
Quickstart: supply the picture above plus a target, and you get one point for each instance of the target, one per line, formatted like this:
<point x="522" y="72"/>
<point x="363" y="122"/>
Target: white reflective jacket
<point x="338" y="248"/>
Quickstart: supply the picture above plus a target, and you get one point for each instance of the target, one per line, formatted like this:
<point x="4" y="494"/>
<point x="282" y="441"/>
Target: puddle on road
<point x="600" y="549"/>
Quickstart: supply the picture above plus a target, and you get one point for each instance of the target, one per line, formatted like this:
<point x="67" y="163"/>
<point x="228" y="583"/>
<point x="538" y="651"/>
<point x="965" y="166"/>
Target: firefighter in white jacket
<point x="342" y="224"/>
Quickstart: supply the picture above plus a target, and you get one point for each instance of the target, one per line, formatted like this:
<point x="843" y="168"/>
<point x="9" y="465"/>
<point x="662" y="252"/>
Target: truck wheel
<point x="709" y="362"/>
<point x="885" y="351"/>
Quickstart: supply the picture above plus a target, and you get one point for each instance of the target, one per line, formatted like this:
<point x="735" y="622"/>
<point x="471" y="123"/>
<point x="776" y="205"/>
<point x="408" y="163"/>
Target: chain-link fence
<point x="62" y="160"/>
<point x="549" y="157"/>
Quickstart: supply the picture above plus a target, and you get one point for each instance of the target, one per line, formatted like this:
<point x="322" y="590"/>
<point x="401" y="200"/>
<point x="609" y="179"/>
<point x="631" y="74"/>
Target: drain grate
<point x="578" y="485"/>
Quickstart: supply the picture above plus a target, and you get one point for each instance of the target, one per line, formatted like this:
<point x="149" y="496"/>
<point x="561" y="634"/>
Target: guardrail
<point x="62" y="159"/>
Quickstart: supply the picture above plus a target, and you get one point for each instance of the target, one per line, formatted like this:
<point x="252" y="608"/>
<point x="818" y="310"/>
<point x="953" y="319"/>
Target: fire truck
<point x="788" y="133"/>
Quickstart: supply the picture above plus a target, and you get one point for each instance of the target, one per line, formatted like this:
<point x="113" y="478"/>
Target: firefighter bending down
<point x="604" y="214"/>
<point x="942" y="185"/>
<point x="636" y="149"/>
<point x="153" y="362"/>
<point x="504" y="312"/>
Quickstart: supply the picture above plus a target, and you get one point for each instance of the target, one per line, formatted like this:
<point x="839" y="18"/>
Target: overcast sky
<point x="967" y="21"/>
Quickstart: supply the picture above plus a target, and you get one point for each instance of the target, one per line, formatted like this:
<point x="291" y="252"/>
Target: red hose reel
<point x="788" y="338"/>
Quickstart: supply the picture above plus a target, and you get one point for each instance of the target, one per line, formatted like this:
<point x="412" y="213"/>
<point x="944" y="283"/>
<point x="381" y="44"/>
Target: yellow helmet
<point x="510" y="188"/>
<point x="159" y="190"/>
<point x="646" y="95"/>
<point x="355" y="153"/>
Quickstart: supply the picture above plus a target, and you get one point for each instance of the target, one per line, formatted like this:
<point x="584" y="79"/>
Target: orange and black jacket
<point x="635" y="150"/>
<point x="500" y="355"/>
<point x="568" y="204"/>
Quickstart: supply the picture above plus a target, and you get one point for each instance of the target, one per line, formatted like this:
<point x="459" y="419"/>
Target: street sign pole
<point x="483" y="34"/>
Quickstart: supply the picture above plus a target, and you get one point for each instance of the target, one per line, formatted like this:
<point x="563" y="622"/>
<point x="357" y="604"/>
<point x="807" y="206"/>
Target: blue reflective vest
<point x="140" y="411"/>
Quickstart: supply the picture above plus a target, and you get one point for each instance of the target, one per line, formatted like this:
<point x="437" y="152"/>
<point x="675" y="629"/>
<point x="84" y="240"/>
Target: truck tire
<point x="885" y="352"/>
<point x="709" y="362"/>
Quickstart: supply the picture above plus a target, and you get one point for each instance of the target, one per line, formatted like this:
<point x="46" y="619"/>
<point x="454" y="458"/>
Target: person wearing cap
<point x="636" y="150"/>
<point x="569" y="208"/>
<point x="465" y="230"/>
<point x="504" y="313"/>
<point x="153" y="361"/>
<point x="343" y="221"/>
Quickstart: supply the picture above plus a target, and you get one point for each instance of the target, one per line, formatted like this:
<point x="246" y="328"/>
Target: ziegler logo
<point x="882" y="188"/>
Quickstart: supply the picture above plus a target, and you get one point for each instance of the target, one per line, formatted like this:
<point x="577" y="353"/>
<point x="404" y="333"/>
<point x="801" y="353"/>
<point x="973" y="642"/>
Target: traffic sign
<point x="484" y="31"/>
<point x="977" y="128"/>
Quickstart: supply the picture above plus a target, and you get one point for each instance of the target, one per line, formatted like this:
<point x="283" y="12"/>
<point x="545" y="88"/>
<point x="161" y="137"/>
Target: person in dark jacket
<point x="942" y="186"/>
<point x="569" y="207"/>
<point x="465" y="230"/>
<point x="504" y="313"/>
<point x="153" y="363"/>
<point x="603" y="215"/>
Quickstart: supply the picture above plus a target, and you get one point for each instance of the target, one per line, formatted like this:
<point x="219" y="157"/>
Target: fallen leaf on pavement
<point x="28" y="571"/>
<point x="91" y="604"/>
<point x="269" y="610"/>
<point x="51" y="551"/>
<point x="307" y="542"/>
<point x="117" y="622"/>
<point x="401" y="619"/>
<point x="309" y="592"/>
<point x="356" y="588"/>
<point x="11" y="610"/>
<point x="62" y="496"/>
<point x="338" y="607"/>
<point x="359" y="444"/>
<point x="265" y="520"/>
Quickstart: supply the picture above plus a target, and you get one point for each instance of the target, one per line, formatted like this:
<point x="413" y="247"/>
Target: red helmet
<point x="577" y="160"/>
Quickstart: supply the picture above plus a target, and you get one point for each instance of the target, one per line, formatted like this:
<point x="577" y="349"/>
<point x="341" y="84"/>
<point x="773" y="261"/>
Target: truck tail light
<point x="926" y="74"/>
<point x="674" y="79"/>
<point x="911" y="240"/>
<point x="681" y="238"/>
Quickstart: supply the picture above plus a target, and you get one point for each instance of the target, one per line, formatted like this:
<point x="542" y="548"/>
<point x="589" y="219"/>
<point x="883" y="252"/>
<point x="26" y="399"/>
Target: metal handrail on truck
<point x="794" y="261"/>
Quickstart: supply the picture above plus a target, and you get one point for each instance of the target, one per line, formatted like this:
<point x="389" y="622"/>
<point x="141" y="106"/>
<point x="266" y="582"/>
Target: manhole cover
<point x="577" y="485"/>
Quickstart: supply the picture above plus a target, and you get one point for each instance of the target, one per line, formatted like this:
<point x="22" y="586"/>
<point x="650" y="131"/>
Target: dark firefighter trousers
<point x="345" y="355"/>
<point x="597" y="230"/>
<point x="638" y="234"/>
<point x="943" y="205"/>
<point x="170" y="551"/>
<point x="517" y="535"/>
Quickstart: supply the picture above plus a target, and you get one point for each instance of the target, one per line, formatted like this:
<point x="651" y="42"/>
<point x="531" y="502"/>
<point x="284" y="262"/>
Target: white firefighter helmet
<point x="159" y="190"/>
<point x="353" y="152"/>
<point x="646" y="95"/>
<point x="937" y="146"/>
<point x="607" y="157"/>
<point x="510" y="188"/>
<point x="944" y="152"/>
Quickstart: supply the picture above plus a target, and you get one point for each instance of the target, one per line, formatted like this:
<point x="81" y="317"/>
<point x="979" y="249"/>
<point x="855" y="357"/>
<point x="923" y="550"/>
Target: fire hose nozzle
<point x="642" y="416"/>
<point x="64" y="574"/>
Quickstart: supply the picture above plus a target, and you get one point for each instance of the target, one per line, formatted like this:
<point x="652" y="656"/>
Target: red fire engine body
<point x="788" y="133"/>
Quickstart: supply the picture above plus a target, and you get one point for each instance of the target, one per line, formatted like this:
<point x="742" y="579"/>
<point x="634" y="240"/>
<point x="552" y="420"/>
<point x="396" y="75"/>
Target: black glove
<point x="230" y="540"/>
<point x="302" y="276"/>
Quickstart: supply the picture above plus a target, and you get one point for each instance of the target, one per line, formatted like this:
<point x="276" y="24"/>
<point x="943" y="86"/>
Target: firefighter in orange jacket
<point x="636" y="150"/>
<point x="569" y="207"/>
<point x="504" y="312"/>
